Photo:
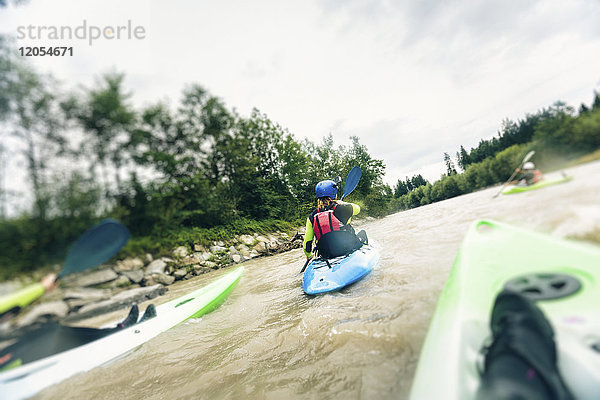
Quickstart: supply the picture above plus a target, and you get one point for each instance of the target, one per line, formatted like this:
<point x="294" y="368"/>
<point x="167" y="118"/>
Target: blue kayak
<point x="321" y="277"/>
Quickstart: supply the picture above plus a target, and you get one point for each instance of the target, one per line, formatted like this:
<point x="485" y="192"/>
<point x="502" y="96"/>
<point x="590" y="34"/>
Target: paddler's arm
<point x="309" y="235"/>
<point x="355" y="208"/>
<point x="21" y="298"/>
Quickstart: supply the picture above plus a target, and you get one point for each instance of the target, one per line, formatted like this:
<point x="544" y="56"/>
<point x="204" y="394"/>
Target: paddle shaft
<point x="305" y="264"/>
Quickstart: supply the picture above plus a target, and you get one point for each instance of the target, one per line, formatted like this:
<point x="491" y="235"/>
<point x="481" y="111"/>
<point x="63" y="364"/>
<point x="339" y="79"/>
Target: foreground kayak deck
<point x="27" y="380"/>
<point x="491" y="255"/>
<point x="345" y="270"/>
<point x="542" y="184"/>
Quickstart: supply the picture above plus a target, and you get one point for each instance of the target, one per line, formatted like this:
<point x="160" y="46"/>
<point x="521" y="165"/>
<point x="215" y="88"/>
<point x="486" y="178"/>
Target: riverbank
<point x="134" y="280"/>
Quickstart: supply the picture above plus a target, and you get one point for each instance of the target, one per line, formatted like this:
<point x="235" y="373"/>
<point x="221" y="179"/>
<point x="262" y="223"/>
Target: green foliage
<point x="377" y="203"/>
<point x="213" y="173"/>
<point x="463" y="158"/>
<point x="555" y="133"/>
<point x="403" y="187"/>
<point x="510" y="133"/>
<point x="579" y="134"/>
<point x="450" y="169"/>
<point x="29" y="112"/>
<point x="160" y="241"/>
<point x="27" y="244"/>
<point x="106" y="117"/>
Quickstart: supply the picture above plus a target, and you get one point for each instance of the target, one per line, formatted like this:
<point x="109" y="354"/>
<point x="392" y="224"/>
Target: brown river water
<point x="271" y="341"/>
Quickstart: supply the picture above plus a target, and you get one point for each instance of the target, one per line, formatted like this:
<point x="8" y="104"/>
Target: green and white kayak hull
<point x="27" y="380"/>
<point x="493" y="255"/>
<point x="539" y="185"/>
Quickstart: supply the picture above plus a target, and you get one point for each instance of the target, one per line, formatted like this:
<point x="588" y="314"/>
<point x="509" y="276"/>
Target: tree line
<point x="558" y="133"/>
<point x="201" y="171"/>
<point x="170" y="174"/>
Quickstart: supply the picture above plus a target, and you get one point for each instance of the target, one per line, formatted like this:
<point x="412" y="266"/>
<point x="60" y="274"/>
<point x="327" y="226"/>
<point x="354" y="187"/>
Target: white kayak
<point x="28" y="379"/>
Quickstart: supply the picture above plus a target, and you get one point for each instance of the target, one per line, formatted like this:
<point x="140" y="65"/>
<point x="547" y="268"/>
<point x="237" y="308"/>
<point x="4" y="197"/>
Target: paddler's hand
<point x="49" y="282"/>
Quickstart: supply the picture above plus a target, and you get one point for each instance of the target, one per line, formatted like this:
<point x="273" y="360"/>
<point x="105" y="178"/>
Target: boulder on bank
<point x="91" y="279"/>
<point x="247" y="240"/>
<point x="129" y="264"/>
<point x="201" y="269"/>
<point x="158" y="278"/>
<point x="180" y="273"/>
<point x="253" y="254"/>
<point x="189" y="260"/>
<point x="121" y="281"/>
<point x="198" y="248"/>
<point x="180" y="252"/>
<point x="156" y="267"/>
<point x="82" y="302"/>
<point x="217" y="249"/>
<point x="260" y="248"/>
<point x="79" y="297"/>
<point x="272" y="246"/>
<point x="211" y="265"/>
<point x="53" y="309"/>
<point x="134" y="276"/>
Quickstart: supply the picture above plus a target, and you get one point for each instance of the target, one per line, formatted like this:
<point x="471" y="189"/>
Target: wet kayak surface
<point x="270" y="341"/>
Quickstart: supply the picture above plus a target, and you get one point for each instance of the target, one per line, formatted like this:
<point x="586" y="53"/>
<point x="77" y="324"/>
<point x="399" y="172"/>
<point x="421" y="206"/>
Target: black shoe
<point x="362" y="236"/>
<point x="131" y="318"/>
<point x="512" y="309"/>
<point x="521" y="361"/>
<point x="149" y="313"/>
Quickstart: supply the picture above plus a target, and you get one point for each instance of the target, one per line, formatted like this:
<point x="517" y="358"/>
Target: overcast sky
<point x="411" y="79"/>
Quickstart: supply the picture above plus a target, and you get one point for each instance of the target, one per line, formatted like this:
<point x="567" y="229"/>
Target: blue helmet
<point x="326" y="189"/>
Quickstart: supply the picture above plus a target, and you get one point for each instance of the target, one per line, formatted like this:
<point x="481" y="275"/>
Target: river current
<point x="271" y="341"/>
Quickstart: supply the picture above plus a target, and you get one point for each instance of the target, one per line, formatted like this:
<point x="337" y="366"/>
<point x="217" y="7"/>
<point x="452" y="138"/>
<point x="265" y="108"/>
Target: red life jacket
<point x="326" y="222"/>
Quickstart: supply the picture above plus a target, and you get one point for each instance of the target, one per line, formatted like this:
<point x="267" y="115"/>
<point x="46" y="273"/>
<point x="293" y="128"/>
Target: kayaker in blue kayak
<point x="529" y="174"/>
<point x="329" y="224"/>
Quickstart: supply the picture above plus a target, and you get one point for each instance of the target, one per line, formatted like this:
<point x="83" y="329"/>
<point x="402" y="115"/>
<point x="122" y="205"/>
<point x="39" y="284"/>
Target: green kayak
<point x="538" y="185"/>
<point x="562" y="276"/>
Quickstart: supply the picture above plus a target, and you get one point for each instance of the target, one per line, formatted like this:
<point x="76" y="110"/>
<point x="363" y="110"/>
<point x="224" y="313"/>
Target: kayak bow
<point x="326" y="276"/>
<point x="563" y="276"/>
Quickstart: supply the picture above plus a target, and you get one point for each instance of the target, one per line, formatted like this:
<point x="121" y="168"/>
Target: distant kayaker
<point x="329" y="224"/>
<point x="530" y="174"/>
